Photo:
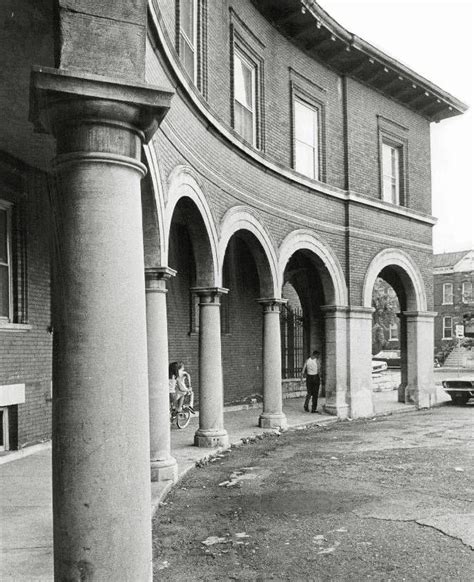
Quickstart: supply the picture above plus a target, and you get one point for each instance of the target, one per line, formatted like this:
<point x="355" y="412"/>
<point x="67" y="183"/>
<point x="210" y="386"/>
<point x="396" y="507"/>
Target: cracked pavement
<point x="384" y="499"/>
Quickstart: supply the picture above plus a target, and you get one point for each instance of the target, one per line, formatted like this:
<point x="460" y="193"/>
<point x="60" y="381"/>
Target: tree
<point x="386" y="306"/>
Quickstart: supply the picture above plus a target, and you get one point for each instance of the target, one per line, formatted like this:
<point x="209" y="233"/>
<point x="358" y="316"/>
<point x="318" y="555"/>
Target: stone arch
<point x="153" y="205"/>
<point x="183" y="183"/>
<point x="408" y="273"/>
<point x="332" y="275"/>
<point x="242" y="218"/>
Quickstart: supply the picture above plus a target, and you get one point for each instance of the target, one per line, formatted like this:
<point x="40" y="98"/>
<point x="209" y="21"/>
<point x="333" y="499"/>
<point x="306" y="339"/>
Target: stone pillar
<point x="420" y="352"/>
<point x="163" y="465"/>
<point x="272" y="415"/>
<point x="335" y="363"/>
<point x="402" y="340"/>
<point x="360" y="361"/>
<point x="101" y="447"/>
<point x="211" y="432"/>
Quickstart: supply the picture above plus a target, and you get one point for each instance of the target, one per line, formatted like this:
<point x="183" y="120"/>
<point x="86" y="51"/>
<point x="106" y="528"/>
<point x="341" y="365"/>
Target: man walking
<point x="312" y="368"/>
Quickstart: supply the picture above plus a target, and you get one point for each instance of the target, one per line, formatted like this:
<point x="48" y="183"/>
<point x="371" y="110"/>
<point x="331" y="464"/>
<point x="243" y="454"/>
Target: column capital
<point x="156" y="278"/>
<point x="420" y="315"/>
<point x="335" y="310"/>
<point x="209" y="295"/>
<point x="272" y="304"/>
<point x="62" y="99"/>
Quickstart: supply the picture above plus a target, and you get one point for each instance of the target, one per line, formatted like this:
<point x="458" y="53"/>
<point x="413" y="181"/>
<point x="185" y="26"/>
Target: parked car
<point x="459" y="390"/>
<point x="378" y="366"/>
<point x="391" y="357"/>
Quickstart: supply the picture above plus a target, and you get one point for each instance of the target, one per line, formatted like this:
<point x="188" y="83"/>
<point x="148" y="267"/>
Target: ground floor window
<point x="447" y="327"/>
<point x="292" y="331"/>
<point x="4" y="434"/>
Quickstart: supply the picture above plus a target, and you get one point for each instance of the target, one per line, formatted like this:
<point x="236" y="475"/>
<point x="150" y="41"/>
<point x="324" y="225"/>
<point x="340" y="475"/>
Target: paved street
<point x="386" y="499"/>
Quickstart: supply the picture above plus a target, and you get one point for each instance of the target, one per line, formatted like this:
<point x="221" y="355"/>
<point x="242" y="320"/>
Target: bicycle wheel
<point x="183" y="418"/>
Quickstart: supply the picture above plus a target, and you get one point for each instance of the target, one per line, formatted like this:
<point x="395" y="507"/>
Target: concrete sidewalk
<point x="26" y="553"/>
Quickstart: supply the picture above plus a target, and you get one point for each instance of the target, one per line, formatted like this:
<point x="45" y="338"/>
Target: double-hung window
<point x="447" y="293"/>
<point x="466" y="292"/>
<point x="391" y="173"/>
<point x="5" y="263"/>
<point x="307" y="125"/>
<point x="447" y="327"/>
<point x="393" y="332"/>
<point x="245" y="97"/>
<point x="188" y="36"/>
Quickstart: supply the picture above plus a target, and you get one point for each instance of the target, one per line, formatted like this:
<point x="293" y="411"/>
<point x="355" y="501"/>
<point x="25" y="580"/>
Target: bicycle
<point x="182" y="417"/>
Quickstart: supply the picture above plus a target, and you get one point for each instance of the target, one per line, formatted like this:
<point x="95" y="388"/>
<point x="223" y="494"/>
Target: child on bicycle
<point x="180" y="381"/>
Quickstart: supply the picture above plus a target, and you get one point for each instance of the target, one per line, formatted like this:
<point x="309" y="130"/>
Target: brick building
<point x="178" y="164"/>
<point x="453" y="282"/>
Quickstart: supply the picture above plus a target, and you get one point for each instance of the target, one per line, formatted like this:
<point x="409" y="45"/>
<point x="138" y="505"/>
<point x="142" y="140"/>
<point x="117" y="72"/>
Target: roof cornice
<point x="311" y="28"/>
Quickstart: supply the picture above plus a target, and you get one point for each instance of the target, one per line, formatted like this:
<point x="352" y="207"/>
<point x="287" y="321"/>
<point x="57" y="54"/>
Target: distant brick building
<point x="176" y="164"/>
<point x="453" y="277"/>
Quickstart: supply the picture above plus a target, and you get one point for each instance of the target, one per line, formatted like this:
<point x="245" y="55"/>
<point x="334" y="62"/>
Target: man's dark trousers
<point x="312" y="388"/>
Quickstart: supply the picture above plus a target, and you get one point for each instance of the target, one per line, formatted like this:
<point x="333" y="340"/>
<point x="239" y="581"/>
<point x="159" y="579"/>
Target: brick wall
<point x="25" y="356"/>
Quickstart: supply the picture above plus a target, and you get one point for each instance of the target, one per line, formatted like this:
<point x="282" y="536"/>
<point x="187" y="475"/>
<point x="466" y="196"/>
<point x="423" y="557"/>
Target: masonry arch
<point x="153" y="211"/>
<point x="312" y="279"/>
<point x="399" y="269"/>
<point x="395" y="269"/>
<point x="324" y="260"/>
<point x="186" y="195"/>
<point x="249" y="270"/>
<point x="242" y="219"/>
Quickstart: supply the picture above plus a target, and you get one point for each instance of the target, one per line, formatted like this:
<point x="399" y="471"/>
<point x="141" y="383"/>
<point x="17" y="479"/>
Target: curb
<point x="167" y="486"/>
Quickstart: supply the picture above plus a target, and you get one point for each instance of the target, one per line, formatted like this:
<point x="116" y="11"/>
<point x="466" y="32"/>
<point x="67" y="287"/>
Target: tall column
<point x="360" y="361"/>
<point x="163" y="465"/>
<point x="101" y="447"/>
<point x="402" y="340"/>
<point x="337" y="394"/>
<point x="420" y="350"/>
<point x="272" y="415"/>
<point x="211" y="432"/>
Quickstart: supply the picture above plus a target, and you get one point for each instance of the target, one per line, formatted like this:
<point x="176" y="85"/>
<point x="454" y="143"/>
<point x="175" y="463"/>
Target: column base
<point x="337" y="410"/>
<point x="166" y="470"/>
<point x="273" y="420"/>
<point x="361" y="403"/>
<point x="211" y="438"/>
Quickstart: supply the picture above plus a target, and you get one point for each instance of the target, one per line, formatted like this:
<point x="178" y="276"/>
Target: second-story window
<point x="306" y="139"/>
<point x="188" y="36"/>
<point x="391" y="173"/>
<point x="466" y="292"/>
<point x="5" y="263"/>
<point x="245" y="97"/>
<point x="447" y="294"/>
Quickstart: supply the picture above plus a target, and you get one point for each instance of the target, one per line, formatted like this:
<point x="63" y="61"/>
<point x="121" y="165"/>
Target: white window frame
<point x="192" y="43"/>
<point x="6" y="207"/>
<point x="445" y="327"/>
<point x="466" y="297"/>
<point x="391" y="328"/>
<point x="5" y="429"/>
<point x="392" y="174"/>
<point x="316" y="111"/>
<point x="253" y="66"/>
<point x="445" y="294"/>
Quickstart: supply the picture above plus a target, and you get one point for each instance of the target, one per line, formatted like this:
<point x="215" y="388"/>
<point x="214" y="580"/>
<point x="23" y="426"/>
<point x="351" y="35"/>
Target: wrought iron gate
<point x="292" y="332"/>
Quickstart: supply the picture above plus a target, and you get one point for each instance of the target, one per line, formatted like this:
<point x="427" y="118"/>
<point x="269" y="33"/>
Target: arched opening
<point x="246" y="274"/>
<point x="395" y="270"/>
<point x="303" y="322"/>
<point x="190" y="255"/>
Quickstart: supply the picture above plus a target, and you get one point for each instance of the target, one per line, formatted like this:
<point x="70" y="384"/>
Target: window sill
<point x="446" y="339"/>
<point x="10" y="327"/>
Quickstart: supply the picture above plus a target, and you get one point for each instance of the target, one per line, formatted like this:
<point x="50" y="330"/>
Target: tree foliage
<point x="386" y="306"/>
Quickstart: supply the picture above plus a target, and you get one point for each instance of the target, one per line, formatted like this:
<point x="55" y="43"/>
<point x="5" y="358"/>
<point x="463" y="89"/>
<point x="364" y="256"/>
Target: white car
<point x="378" y="366"/>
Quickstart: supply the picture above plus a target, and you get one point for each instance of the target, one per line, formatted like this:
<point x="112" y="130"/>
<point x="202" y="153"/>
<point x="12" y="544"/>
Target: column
<point x="335" y="364"/>
<point x="101" y="447"/>
<point x="420" y="351"/>
<point x="360" y="361"/>
<point x="163" y="465"/>
<point x="211" y="432"/>
<point x="272" y="415"/>
<point x="402" y="388"/>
